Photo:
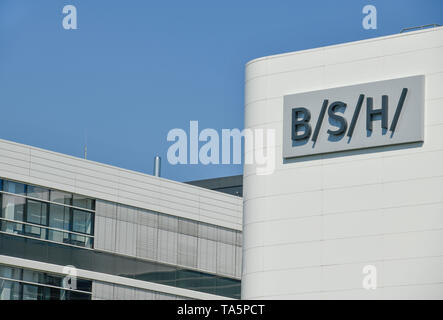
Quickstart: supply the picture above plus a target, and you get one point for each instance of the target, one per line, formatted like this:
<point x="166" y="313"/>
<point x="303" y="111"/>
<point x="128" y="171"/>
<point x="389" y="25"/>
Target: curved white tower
<point x="362" y="223"/>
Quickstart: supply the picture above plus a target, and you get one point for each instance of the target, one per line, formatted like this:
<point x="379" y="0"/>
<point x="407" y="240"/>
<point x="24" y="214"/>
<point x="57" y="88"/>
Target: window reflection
<point x="14" y="187"/>
<point x="43" y="219"/>
<point x="38" y="192"/>
<point x="61" y="197"/>
<point x="23" y="284"/>
<point x="123" y="266"/>
<point x="81" y="221"/>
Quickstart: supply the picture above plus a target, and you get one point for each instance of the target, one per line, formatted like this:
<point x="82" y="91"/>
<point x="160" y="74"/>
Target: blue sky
<point x="134" y="69"/>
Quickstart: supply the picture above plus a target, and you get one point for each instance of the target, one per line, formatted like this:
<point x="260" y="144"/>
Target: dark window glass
<point x="36" y="212"/>
<point x="82" y="221"/>
<point x="61" y="197"/>
<point x="31" y="276"/>
<point x="59" y="217"/>
<point x="121" y="266"/>
<point x="35" y="288"/>
<point x="83" y="202"/>
<point x="14" y="187"/>
<point x="34" y="231"/>
<point x="51" y="280"/>
<point x="84" y="285"/>
<point x="38" y="192"/>
<point x="228" y="287"/>
<point x="72" y="295"/>
<point x="11" y="227"/>
<point x="13" y="207"/>
<point x="81" y="241"/>
<point x="10" y="273"/>
<point x="30" y="292"/>
<point x="10" y="290"/>
<point x="58" y="236"/>
<point x="47" y="293"/>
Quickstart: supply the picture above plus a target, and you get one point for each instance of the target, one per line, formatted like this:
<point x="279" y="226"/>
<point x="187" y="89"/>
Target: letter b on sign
<point x="300" y="122"/>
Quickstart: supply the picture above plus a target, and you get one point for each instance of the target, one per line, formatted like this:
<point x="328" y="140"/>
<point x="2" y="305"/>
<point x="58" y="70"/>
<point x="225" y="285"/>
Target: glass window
<point x="51" y="280"/>
<point x="13" y="207"/>
<point x="81" y="241"/>
<point x="61" y="197"/>
<point x="47" y="293"/>
<point x="35" y="289"/>
<point x="14" y="187"/>
<point x="30" y="292"/>
<point x="36" y="212"/>
<point x="83" y="202"/>
<point x="82" y="221"/>
<point x="72" y="295"/>
<point x="31" y="276"/>
<point x="10" y="273"/>
<point x="34" y="231"/>
<point x="38" y="192"/>
<point x="9" y="290"/>
<point x="84" y="285"/>
<point x="58" y="217"/>
<point x="58" y="236"/>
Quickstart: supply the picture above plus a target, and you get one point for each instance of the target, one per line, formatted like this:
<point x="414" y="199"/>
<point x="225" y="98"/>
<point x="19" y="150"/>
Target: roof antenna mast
<point x="86" y="146"/>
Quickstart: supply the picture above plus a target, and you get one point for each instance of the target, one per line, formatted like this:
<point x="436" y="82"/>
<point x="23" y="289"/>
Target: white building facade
<point x="128" y="235"/>
<point x="365" y="223"/>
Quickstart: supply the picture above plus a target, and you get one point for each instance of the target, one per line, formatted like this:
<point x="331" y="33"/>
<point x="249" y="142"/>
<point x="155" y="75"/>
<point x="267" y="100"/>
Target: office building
<point x="354" y="207"/>
<point x="128" y="235"/>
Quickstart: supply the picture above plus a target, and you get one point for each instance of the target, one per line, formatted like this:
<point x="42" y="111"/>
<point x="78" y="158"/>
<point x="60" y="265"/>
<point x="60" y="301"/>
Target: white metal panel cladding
<point x="54" y="170"/>
<point x="354" y="117"/>
<point x="367" y="208"/>
<point x="168" y="239"/>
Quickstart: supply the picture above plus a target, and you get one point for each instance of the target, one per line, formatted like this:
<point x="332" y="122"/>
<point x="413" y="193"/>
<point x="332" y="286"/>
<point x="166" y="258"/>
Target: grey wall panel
<point x="106" y="209"/>
<point x="105" y="230"/>
<point x="147" y="242"/>
<point x="102" y="290"/>
<point x="99" y="232"/>
<point x="227" y="236"/>
<point x="124" y="293"/>
<point x="168" y="239"/>
<point x="239" y="239"/>
<point x="141" y="294"/>
<point x="225" y="259"/>
<point x="126" y="238"/>
<point x="188" y="227"/>
<point x="207" y="231"/>
<point x="169" y="223"/>
<point x="164" y="296"/>
<point x="127" y="213"/>
<point x="207" y="255"/>
<point x="167" y="246"/>
<point x="187" y="251"/>
<point x="148" y="218"/>
<point x="238" y="261"/>
<point x="110" y="291"/>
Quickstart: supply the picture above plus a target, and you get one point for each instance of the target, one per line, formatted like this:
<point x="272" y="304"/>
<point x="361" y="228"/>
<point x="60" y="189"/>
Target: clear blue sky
<point x="134" y="69"/>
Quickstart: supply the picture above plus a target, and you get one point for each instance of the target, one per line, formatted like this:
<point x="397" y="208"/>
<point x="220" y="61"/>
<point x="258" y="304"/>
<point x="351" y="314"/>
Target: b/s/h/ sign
<point x="354" y="117"/>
